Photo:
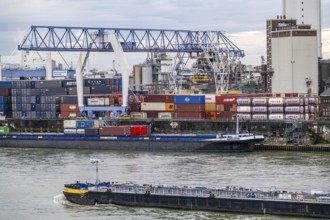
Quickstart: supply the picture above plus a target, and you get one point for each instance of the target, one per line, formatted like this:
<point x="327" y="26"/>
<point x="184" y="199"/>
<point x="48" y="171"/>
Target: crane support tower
<point x="222" y="51"/>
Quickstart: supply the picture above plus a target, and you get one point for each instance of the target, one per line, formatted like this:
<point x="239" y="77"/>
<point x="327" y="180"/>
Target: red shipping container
<point x="135" y="107"/>
<point x="159" y="98"/>
<point x="189" y="107"/>
<point x="69" y="108"/>
<point x="226" y="115"/>
<point x="226" y="99"/>
<point x="152" y="114"/>
<point x="114" y="130"/>
<point x="69" y="114"/>
<point x="139" y="130"/>
<point x="5" y="92"/>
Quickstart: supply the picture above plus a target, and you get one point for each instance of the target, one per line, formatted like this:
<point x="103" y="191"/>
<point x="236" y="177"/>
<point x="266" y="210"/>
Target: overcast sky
<point x="243" y="21"/>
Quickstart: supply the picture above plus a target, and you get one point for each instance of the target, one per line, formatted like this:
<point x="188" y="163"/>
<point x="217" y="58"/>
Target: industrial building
<point x="306" y="12"/>
<point x="294" y="59"/>
<point x="293" y="48"/>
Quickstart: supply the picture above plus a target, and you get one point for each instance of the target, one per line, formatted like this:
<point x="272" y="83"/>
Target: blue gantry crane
<point x="119" y="40"/>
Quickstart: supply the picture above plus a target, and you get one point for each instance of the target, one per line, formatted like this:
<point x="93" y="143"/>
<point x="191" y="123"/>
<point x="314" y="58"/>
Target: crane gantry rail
<point x="222" y="52"/>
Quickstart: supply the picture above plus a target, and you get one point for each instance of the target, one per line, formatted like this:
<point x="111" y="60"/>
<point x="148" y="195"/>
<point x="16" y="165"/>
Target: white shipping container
<point x="80" y="131"/>
<point x="259" y="109"/>
<point x="243" y="109"/>
<point x="312" y="100"/>
<point x="299" y="109"/>
<point x="95" y="101"/>
<point x="245" y="116"/>
<point x="294" y="116"/>
<point x="307" y="109"/>
<point x="259" y="101"/>
<point x="275" y="109"/>
<point x="259" y="116"/>
<point x="209" y="98"/>
<point x="153" y="106"/>
<point x="307" y="117"/>
<point x="313" y="109"/>
<point x="276" y="116"/>
<point x="70" y="131"/>
<point x="106" y="101"/>
<point x="275" y="101"/>
<point x="138" y="115"/>
<point x="69" y="124"/>
<point x="73" y="115"/>
<point x="243" y="101"/>
<point x="294" y="101"/>
<point x="165" y="115"/>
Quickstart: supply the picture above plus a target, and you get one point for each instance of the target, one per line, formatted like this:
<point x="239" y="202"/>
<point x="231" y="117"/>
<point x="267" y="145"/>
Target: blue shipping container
<point x="189" y="99"/>
<point x="84" y="124"/>
<point x="6" y="84"/>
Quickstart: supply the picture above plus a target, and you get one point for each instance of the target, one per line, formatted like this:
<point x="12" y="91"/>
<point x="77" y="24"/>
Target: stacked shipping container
<point x="189" y="106"/>
<point x="53" y="98"/>
<point x="57" y="98"/>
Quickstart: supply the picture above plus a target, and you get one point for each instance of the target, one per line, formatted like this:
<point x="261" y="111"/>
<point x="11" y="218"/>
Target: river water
<point x="31" y="180"/>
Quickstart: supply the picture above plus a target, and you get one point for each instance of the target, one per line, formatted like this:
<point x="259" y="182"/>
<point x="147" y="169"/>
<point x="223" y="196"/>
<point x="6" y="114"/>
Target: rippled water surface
<point x="31" y="180"/>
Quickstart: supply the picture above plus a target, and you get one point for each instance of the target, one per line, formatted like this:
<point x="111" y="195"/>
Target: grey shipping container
<point x="91" y="131"/>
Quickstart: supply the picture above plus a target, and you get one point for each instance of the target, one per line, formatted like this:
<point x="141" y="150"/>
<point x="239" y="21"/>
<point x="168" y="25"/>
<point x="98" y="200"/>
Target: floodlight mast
<point x="96" y="161"/>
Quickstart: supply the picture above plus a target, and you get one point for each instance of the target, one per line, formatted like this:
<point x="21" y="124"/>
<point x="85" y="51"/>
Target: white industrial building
<point x="306" y="12"/>
<point x="294" y="60"/>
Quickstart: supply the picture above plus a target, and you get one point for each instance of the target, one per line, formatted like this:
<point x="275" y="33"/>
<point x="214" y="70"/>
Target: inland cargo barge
<point x="174" y="143"/>
<point x="226" y="199"/>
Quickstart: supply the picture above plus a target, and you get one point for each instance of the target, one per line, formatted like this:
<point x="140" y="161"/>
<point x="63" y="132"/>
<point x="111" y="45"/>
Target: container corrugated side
<point x="275" y="101"/>
<point x="210" y="98"/>
<point x="114" y="130"/>
<point x="69" y="124"/>
<point x="296" y="109"/>
<point x="189" y="107"/>
<point x="165" y="115"/>
<point x="189" y="99"/>
<point x="138" y="115"/>
<point x="243" y="101"/>
<point x="159" y="98"/>
<point x="153" y="106"/>
<point x="243" y="109"/>
<point x="295" y="116"/>
<point x="85" y="123"/>
<point x="246" y="116"/>
<point x="275" y="116"/>
<point x="259" y="101"/>
<point x="259" y="116"/>
<point x="259" y="109"/>
<point x="69" y="108"/>
<point x="294" y="101"/>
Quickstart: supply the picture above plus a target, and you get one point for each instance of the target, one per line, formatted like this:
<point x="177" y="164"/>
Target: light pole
<point x="96" y="161"/>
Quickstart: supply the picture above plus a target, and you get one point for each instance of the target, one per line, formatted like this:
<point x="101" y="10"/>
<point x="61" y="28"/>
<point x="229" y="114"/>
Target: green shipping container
<point x="4" y="130"/>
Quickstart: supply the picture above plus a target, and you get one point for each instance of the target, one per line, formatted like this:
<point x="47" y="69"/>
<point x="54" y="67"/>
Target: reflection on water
<point x="32" y="179"/>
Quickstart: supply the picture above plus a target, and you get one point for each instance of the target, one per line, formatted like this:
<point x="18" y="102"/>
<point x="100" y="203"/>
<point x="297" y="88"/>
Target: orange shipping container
<point x="211" y="115"/>
<point x="169" y="107"/>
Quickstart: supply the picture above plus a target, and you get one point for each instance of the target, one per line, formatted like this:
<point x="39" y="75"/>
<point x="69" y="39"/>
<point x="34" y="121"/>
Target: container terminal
<point x="287" y="103"/>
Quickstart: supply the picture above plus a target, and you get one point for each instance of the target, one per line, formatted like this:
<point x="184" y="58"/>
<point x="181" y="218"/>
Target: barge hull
<point x="128" y="144"/>
<point x="241" y="205"/>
